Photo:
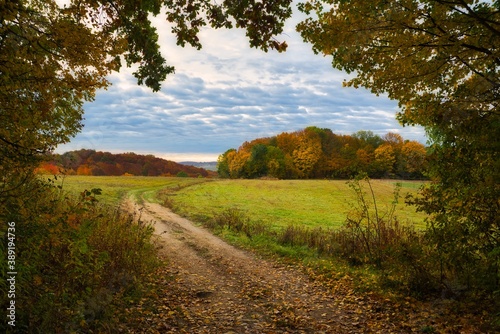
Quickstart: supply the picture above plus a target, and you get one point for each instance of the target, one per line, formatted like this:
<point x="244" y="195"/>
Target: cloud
<point x="226" y="94"/>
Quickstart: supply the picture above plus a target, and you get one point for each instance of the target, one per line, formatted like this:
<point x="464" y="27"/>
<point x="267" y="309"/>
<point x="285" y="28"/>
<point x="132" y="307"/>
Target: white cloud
<point x="226" y="94"/>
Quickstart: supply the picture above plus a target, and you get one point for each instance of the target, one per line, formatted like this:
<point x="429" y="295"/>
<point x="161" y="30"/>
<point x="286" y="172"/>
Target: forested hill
<point x="91" y="162"/>
<point x="320" y="153"/>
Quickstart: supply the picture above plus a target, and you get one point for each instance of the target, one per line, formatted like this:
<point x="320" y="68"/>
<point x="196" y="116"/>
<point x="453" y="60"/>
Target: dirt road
<point x="213" y="287"/>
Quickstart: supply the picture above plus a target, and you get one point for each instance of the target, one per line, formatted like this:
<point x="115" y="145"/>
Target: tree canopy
<point x="440" y="59"/>
<point x="320" y="153"/>
<point x="91" y="162"/>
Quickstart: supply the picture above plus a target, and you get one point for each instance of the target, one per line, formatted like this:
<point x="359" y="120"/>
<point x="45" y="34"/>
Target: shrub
<point x="236" y="220"/>
<point x="73" y="257"/>
<point x="377" y="237"/>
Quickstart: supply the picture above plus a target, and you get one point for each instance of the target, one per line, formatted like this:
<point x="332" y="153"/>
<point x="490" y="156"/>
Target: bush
<point x="236" y="220"/>
<point x="73" y="257"/>
<point x="376" y="237"/>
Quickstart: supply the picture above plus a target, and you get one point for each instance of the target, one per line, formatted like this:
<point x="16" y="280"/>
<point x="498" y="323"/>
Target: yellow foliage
<point x="385" y="157"/>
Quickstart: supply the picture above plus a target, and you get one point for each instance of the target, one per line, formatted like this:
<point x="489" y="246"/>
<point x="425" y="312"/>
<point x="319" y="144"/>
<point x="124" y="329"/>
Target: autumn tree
<point x="307" y="153"/>
<point x="368" y="138"/>
<point x="327" y="142"/>
<point x="90" y="162"/>
<point x="287" y="142"/>
<point x="275" y="162"/>
<point x="365" y="161"/>
<point x="47" y="168"/>
<point x="237" y="163"/>
<point x="368" y="143"/>
<point x="385" y="159"/>
<point x="223" y="163"/>
<point x="413" y="158"/>
<point x="395" y="140"/>
<point x="344" y="155"/>
<point x="319" y="153"/>
<point x="440" y="60"/>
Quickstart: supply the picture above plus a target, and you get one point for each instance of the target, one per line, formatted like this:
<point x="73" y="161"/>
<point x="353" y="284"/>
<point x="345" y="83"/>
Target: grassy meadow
<point x="116" y="188"/>
<point x="288" y="202"/>
<point x="277" y="203"/>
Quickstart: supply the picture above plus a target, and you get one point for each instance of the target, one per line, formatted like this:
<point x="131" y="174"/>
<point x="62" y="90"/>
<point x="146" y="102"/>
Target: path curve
<point x="233" y="291"/>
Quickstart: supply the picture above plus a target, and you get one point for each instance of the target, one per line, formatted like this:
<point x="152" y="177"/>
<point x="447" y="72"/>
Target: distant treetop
<point x="319" y="153"/>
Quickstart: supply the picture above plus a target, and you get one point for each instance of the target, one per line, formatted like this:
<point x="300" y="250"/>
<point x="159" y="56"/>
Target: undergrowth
<point x="74" y="259"/>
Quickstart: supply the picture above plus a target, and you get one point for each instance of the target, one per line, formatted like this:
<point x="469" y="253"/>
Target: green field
<point x="115" y="188"/>
<point x="274" y="202"/>
<point x="283" y="202"/>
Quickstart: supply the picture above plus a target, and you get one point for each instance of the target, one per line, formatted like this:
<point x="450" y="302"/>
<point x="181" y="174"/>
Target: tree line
<point x="319" y="153"/>
<point x="91" y="162"/>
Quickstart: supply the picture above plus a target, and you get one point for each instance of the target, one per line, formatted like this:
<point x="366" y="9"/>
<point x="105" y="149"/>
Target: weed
<point x="377" y="237"/>
<point x="236" y="220"/>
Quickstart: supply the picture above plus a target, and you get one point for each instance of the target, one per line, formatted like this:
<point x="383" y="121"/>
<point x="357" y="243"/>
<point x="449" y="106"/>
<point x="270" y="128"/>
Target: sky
<point x="226" y="94"/>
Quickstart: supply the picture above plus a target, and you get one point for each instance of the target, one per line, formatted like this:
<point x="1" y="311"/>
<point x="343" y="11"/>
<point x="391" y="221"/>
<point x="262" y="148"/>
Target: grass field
<point x="283" y="202"/>
<point x="274" y="202"/>
<point x="115" y="188"/>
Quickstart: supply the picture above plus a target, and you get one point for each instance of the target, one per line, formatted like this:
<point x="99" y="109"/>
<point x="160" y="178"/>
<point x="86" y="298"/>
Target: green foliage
<point x="262" y="20"/>
<point x="73" y="257"/>
<point x="319" y="153"/>
<point x="439" y="60"/>
<point x="465" y="230"/>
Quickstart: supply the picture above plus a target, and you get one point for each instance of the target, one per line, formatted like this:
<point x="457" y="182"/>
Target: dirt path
<point x="213" y="287"/>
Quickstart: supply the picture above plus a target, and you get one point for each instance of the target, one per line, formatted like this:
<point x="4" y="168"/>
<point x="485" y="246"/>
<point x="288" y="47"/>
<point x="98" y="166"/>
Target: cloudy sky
<point x="226" y="94"/>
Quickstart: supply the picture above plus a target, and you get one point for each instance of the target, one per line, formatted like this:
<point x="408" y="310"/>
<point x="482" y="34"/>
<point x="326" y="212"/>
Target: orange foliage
<point x="84" y="170"/>
<point x="47" y="168"/>
<point x="90" y="162"/>
<point x="414" y="155"/>
<point x="319" y="153"/>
